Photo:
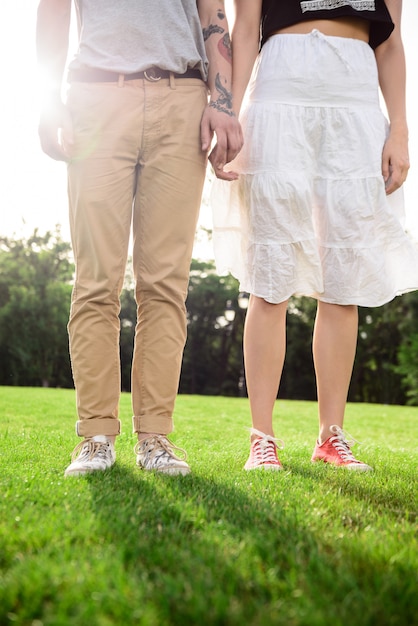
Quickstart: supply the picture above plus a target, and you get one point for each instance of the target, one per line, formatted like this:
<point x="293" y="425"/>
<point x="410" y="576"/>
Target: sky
<point x="33" y="186"/>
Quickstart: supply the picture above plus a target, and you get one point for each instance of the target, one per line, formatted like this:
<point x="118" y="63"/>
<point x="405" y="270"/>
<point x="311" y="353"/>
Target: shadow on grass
<point x="392" y="497"/>
<point x="198" y="551"/>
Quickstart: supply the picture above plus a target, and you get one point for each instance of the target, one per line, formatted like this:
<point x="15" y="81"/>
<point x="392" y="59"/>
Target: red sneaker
<point x="336" y="450"/>
<point x="263" y="452"/>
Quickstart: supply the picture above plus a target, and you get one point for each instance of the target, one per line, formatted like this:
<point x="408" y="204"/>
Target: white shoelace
<point x="156" y="447"/>
<point x="265" y="447"/>
<point x="87" y="449"/>
<point x="342" y="444"/>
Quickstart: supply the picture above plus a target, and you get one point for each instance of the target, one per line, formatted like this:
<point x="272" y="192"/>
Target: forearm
<point x="245" y="46"/>
<point x="52" y="36"/>
<point x="392" y="78"/>
<point x="390" y="58"/>
<point x="218" y="49"/>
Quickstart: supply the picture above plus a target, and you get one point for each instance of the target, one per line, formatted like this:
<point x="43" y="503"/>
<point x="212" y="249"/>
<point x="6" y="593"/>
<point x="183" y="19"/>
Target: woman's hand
<point x="395" y="160"/>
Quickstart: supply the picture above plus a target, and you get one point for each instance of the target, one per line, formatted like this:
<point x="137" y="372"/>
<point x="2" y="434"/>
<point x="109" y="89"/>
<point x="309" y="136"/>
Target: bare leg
<point x="264" y="352"/>
<point x="334" y="349"/>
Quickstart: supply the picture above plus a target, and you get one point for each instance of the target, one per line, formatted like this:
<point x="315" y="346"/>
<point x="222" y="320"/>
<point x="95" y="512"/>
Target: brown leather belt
<point x="152" y="74"/>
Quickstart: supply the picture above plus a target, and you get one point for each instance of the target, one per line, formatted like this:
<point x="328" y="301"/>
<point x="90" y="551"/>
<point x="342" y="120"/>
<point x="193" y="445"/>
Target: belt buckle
<point x="152" y="74"/>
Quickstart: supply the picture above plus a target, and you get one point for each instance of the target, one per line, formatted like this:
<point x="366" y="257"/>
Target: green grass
<point x="310" y="546"/>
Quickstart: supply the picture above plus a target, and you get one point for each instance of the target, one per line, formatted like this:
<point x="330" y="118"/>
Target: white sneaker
<point x="94" y="454"/>
<point x="159" y="454"/>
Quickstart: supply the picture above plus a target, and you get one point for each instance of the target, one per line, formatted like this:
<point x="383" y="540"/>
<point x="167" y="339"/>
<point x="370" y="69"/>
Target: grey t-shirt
<point x="129" y="36"/>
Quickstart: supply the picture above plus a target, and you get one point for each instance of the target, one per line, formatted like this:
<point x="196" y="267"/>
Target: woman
<point x="317" y="208"/>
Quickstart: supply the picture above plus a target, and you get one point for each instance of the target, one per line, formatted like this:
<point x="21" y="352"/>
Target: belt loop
<point x="172" y="81"/>
<point x="121" y="80"/>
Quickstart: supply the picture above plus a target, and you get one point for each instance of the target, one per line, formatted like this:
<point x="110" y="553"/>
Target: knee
<point x="268" y="308"/>
<point x="340" y="311"/>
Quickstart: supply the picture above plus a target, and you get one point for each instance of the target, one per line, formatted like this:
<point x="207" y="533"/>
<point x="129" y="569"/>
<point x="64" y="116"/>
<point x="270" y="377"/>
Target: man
<point x="135" y="131"/>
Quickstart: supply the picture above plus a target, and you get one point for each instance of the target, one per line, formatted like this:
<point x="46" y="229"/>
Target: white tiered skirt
<point x="309" y="214"/>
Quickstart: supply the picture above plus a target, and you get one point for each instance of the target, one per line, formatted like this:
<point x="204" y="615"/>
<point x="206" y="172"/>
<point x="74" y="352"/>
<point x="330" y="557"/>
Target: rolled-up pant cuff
<point x="163" y="425"/>
<point x="99" y="426"/>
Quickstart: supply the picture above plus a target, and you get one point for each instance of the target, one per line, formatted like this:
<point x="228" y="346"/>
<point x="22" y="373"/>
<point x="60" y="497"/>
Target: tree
<point x="298" y="379"/>
<point x="408" y="349"/>
<point x="35" y="294"/>
<point x="212" y="356"/>
<point x="127" y="317"/>
<point x="375" y="377"/>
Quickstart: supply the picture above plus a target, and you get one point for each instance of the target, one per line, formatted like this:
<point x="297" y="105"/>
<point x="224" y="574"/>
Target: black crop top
<point x="277" y="14"/>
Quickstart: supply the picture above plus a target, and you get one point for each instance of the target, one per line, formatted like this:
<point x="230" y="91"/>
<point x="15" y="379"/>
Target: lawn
<point x="311" y="545"/>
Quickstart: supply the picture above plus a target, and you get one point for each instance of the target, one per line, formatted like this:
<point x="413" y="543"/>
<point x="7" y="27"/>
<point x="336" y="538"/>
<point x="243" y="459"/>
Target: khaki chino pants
<point x="136" y="165"/>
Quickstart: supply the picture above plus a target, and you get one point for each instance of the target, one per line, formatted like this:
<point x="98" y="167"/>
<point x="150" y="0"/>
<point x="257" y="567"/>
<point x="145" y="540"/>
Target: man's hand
<point x="229" y="138"/>
<point x="55" y="130"/>
<point x="395" y="161"/>
<point x="219" y="116"/>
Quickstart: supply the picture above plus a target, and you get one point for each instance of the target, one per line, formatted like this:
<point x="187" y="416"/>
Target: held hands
<point x="395" y="160"/>
<point x="55" y="129"/>
<point x="229" y="139"/>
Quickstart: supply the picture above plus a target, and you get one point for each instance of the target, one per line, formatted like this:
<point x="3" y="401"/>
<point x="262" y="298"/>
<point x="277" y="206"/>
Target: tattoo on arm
<point x="223" y="102"/>
<point x="212" y="29"/>
<point x="224" y="47"/>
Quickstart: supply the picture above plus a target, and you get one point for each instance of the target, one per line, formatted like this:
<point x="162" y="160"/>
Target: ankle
<point x="260" y="434"/>
<point x="327" y="431"/>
